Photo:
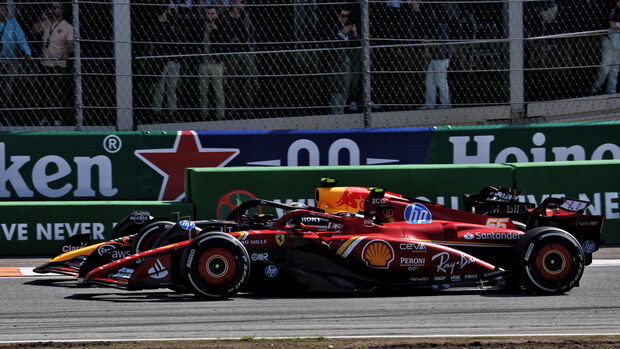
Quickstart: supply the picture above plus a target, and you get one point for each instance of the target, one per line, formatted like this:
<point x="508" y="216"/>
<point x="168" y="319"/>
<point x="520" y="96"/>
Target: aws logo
<point x="378" y="254"/>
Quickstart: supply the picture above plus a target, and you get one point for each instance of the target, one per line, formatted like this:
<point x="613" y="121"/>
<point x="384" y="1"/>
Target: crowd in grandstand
<point x="215" y="42"/>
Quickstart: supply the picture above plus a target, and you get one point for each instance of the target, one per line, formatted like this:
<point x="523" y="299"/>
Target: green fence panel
<point x="215" y="191"/>
<point x="39" y="228"/>
<point x="594" y="181"/>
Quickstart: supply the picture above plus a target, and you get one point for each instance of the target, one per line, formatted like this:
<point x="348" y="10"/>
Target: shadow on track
<point x="170" y="296"/>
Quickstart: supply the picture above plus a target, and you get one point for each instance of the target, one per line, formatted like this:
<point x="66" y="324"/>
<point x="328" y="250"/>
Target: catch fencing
<point x="139" y="63"/>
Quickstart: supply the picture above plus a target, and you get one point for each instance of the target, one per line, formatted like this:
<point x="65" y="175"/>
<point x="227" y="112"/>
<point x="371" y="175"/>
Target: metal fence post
<point x="366" y="93"/>
<point x="77" y="66"/>
<point x="123" y="70"/>
<point x="515" y="23"/>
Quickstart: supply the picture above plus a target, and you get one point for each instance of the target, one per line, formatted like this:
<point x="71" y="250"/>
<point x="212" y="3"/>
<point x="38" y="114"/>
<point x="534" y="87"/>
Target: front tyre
<point x="146" y="237"/>
<point x="215" y="265"/>
<point x="551" y="261"/>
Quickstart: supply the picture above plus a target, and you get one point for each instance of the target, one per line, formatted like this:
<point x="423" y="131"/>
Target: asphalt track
<point x="55" y="309"/>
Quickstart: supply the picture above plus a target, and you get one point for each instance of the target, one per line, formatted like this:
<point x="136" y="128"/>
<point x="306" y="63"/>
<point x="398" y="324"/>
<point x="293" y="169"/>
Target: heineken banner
<point x="39" y="228"/>
<point x="149" y="165"/>
<point x="525" y="143"/>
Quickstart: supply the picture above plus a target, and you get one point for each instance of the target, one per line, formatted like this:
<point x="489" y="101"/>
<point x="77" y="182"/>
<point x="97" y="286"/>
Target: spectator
<point x="220" y="5"/>
<point x="240" y="67"/>
<point x="395" y="17"/>
<point x="57" y="35"/>
<point x="164" y="47"/>
<point x="346" y="62"/>
<point x="610" y="55"/>
<point x="583" y="16"/>
<point x="417" y="22"/>
<point x="211" y="70"/>
<point x="11" y="36"/>
<point x="437" y="71"/>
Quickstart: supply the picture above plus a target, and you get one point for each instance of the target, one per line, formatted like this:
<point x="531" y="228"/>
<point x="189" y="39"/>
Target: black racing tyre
<point x="550" y="260"/>
<point x="131" y="224"/>
<point x="145" y="239"/>
<point x="215" y="265"/>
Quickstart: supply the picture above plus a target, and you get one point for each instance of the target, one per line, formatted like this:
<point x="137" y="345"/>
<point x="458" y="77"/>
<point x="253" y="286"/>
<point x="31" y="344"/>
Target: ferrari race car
<point x="140" y="232"/>
<point x="317" y="251"/>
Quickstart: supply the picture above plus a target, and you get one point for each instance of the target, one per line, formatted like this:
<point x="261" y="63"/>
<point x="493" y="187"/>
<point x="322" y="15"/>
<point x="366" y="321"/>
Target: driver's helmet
<point x="298" y="205"/>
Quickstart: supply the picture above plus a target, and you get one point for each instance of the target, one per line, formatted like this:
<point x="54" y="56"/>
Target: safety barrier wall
<point x="594" y="181"/>
<point x="215" y="191"/>
<point x="39" y="228"/>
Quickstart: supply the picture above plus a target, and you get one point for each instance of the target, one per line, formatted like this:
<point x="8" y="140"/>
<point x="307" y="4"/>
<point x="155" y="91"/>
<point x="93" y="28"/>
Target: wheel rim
<point x="553" y="262"/>
<point x="216" y="266"/>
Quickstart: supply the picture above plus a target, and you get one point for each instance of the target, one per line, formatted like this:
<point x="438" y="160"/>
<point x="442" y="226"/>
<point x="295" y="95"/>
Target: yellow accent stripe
<point x="345" y="245"/>
<point x="84" y="251"/>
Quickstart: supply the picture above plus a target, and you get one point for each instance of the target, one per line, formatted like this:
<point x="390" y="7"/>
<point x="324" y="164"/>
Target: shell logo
<point x="378" y="254"/>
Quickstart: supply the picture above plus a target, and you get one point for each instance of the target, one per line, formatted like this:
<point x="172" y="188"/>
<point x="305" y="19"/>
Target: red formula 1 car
<point x="314" y="251"/>
<point x="497" y="207"/>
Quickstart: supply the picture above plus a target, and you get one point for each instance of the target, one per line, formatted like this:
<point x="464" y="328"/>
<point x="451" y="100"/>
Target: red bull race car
<point x="395" y="243"/>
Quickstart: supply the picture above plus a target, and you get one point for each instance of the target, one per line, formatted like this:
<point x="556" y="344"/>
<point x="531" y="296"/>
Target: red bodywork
<point x="349" y="246"/>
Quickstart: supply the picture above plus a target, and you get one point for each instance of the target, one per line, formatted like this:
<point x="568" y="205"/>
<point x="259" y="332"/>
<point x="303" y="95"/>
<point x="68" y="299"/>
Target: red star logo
<point x="186" y="152"/>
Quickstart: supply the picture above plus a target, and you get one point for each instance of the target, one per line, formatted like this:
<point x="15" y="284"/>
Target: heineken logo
<point x="53" y="176"/>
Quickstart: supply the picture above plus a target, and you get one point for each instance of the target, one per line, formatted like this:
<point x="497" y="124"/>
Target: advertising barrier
<point x="525" y="143"/>
<point x="149" y="165"/>
<point x="39" y="228"/>
<point x="594" y="181"/>
<point x="216" y="191"/>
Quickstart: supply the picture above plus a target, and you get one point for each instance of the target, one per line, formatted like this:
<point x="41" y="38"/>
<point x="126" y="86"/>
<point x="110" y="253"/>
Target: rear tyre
<point x="215" y="265"/>
<point x="551" y="261"/>
<point x="145" y="239"/>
